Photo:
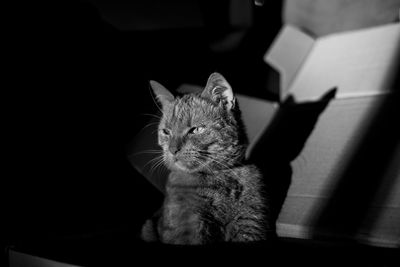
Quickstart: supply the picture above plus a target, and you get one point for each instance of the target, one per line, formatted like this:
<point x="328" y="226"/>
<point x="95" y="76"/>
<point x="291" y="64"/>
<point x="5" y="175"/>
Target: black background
<point x="76" y="91"/>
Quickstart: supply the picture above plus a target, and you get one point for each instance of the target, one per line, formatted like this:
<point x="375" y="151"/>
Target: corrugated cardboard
<point x="322" y="17"/>
<point x="361" y="65"/>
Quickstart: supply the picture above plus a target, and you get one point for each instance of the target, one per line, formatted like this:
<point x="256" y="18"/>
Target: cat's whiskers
<point x="157" y="162"/>
<point x="156" y="159"/>
<point x="215" y="155"/>
<point x="156" y="130"/>
<point x="149" y="151"/>
<point x="205" y="164"/>
<point x="226" y="168"/>
<point x="158" y="166"/>
<point x="151" y="115"/>
<point x="150" y="124"/>
<point x="202" y="164"/>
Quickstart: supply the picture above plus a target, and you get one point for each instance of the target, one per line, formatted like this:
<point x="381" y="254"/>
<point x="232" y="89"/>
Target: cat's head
<point x="200" y="131"/>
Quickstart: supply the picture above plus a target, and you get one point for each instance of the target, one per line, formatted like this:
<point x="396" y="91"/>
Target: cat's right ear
<point x="163" y="96"/>
<point x="219" y="90"/>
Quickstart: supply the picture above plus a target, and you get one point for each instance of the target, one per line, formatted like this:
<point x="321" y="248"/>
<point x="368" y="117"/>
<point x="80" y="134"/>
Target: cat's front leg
<point x="180" y="237"/>
<point x="244" y="236"/>
<point x="150" y="232"/>
<point x="245" y="230"/>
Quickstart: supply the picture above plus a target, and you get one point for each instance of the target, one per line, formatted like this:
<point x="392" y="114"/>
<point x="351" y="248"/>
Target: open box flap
<point x="287" y="53"/>
<point x="357" y="63"/>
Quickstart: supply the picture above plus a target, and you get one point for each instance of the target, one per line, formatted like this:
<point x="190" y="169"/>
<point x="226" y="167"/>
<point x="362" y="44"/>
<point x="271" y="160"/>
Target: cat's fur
<point x="211" y="195"/>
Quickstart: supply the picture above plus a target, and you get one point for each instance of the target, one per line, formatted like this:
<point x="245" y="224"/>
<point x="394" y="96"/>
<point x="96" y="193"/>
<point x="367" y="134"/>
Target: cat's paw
<point x="148" y="233"/>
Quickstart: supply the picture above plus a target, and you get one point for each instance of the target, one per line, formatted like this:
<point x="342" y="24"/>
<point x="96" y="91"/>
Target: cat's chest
<point x="184" y="200"/>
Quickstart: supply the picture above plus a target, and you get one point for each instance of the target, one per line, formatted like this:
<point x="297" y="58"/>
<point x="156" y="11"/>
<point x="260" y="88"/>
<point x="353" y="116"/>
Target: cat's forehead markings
<point x="188" y="110"/>
<point x="176" y="113"/>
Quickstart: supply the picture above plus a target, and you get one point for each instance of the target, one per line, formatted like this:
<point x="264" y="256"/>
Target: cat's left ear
<point x="219" y="90"/>
<point x="163" y="96"/>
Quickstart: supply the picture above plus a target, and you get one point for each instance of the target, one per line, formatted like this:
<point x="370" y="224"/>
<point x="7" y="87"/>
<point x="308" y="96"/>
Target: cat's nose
<point x="175" y="145"/>
<point x="173" y="149"/>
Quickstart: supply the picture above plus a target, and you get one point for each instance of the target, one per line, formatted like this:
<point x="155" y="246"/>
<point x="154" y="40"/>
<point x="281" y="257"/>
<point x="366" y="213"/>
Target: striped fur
<point x="212" y="194"/>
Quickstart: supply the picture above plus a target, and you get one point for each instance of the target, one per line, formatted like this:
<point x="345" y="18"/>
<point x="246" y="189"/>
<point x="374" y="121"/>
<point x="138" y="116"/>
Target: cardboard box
<point x="332" y="90"/>
<point x="362" y="66"/>
<point x="360" y="63"/>
<point x="322" y="17"/>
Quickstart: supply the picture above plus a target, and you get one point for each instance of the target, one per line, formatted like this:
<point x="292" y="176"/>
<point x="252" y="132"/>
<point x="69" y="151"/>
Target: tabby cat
<point x="212" y="195"/>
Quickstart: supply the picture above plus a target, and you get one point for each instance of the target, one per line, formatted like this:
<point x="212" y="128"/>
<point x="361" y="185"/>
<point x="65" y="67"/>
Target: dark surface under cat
<point x="285" y="252"/>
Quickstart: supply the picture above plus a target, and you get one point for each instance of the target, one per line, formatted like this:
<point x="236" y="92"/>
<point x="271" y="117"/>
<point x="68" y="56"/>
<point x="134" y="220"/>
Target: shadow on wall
<point x="282" y="142"/>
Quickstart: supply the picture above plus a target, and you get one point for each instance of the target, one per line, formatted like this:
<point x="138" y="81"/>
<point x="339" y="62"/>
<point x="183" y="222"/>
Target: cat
<point x="212" y="194"/>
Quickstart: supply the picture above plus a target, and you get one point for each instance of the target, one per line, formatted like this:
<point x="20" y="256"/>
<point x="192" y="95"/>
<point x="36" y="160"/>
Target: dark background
<point x="77" y="92"/>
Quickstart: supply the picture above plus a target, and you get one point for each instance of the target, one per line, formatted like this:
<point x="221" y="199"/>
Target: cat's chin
<point x="181" y="166"/>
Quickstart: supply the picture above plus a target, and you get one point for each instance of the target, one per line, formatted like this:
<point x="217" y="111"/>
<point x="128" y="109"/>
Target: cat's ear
<point x="219" y="90"/>
<point x="162" y="94"/>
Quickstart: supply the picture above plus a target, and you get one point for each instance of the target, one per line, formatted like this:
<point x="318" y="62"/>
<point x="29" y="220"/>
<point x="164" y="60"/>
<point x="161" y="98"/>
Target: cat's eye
<point x="165" y="131"/>
<point x="196" y="130"/>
